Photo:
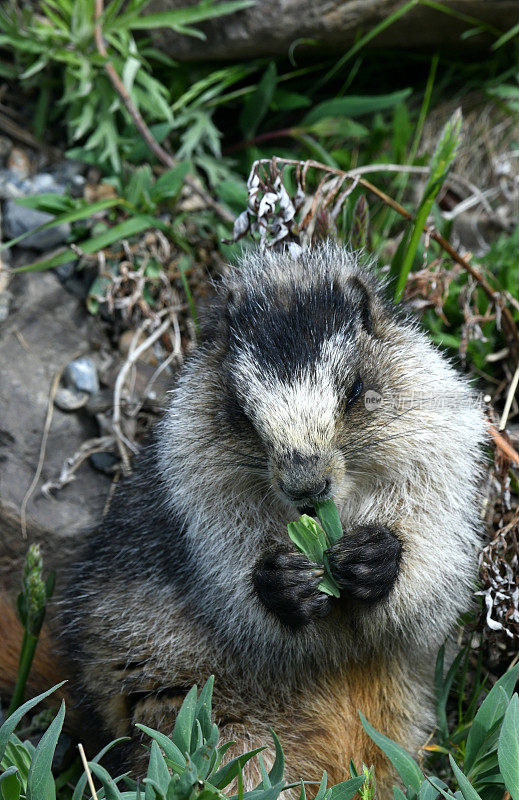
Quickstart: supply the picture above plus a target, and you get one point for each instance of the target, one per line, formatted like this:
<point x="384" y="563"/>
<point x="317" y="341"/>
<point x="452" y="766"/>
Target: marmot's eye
<point x="355" y="392"/>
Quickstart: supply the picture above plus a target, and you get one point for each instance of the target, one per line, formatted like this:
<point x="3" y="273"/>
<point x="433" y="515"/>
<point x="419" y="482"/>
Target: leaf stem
<point x="27" y="651"/>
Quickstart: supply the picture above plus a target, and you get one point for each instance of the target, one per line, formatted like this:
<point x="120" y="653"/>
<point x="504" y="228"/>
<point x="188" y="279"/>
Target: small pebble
<point x="19" y="220"/>
<point x="104" y="462"/>
<point x="69" y="400"/>
<point x="82" y="375"/>
<point x="66" y="270"/>
<point x="18" y="161"/>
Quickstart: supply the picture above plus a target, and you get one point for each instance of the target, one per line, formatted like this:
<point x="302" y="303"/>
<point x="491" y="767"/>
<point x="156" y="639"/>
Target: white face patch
<point x="299" y="414"/>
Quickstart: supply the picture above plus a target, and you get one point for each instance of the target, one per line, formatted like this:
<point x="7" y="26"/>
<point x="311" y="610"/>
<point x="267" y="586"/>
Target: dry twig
<point x="87" y="770"/>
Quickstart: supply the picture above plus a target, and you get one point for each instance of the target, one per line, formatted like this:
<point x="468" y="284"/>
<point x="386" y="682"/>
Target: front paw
<point x="366" y="562"/>
<point x="286" y="584"/>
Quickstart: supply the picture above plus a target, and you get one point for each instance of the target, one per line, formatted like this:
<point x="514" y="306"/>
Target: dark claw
<point x="366" y="562"/>
<point x="286" y="584"/>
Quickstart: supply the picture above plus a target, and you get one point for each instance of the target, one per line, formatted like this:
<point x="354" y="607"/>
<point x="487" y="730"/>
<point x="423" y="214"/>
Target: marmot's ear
<point x="233" y="297"/>
<point x="361" y="298"/>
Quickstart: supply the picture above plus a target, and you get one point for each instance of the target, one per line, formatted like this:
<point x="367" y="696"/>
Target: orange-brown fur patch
<point x="46" y="668"/>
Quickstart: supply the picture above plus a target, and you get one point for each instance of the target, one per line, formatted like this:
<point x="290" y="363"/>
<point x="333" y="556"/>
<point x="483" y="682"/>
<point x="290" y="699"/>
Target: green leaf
<point x="229" y="771"/>
<point x="40" y="783"/>
<point x="466" y="788"/>
<point x="346" y="789"/>
<point x="170" y="182"/>
<point x="19" y="755"/>
<point x="10" y="786"/>
<point x="257" y="104"/>
<point x="404" y="764"/>
<point x="50" y="202"/>
<point x="171" y="751"/>
<point x="203" y="707"/>
<point x="138" y="189"/>
<point x="491" y="710"/>
<point x="305" y="536"/>
<point x="506" y="37"/>
<point x="108" y="783"/>
<point x="12" y="721"/>
<point x="508" y="748"/>
<point x="86" y="210"/>
<point x="179" y="19"/>
<point x="157" y="772"/>
<point x="233" y="193"/>
<point x="278" y="767"/>
<point x="353" y="106"/>
<point x="336" y="126"/>
<point x="329" y="519"/>
<point x="184" y="722"/>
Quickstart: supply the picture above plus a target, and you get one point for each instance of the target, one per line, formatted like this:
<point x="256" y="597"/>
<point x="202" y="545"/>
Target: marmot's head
<point x="298" y="342"/>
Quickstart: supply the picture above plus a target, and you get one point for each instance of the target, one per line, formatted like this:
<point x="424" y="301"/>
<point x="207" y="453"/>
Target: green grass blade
<point x="40" y="783"/>
<point x="10" y="724"/>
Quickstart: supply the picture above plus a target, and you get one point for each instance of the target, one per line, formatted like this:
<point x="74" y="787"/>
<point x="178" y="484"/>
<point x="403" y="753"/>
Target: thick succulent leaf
<point x="278" y="767"/>
<point x="40" y="783"/>
<point x="184" y="723"/>
<point x="10" y="786"/>
<point x="107" y="782"/>
<point x="229" y="771"/>
<point x="171" y="751"/>
<point x="491" y="710"/>
<point x="404" y="764"/>
<point x="346" y="789"/>
<point x="508" y="749"/>
<point x="466" y="788"/>
<point x="203" y="707"/>
<point x="157" y="772"/>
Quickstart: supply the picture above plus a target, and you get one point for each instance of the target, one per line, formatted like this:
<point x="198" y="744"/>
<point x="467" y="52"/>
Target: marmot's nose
<point x="310" y="492"/>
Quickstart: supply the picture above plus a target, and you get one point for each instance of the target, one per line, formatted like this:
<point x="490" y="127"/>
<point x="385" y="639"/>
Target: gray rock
<point x="42" y="334"/>
<point x="68" y="169"/>
<point x="19" y="162"/>
<point x="43" y="182"/>
<point x="105" y="462"/>
<point x="18" y="220"/>
<point x="65" y="271"/>
<point x="82" y="375"/>
<point x="68" y="399"/>
<point x="11" y="184"/>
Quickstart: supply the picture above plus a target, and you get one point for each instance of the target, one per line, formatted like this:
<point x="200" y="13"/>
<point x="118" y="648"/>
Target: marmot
<point x="307" y="384"/>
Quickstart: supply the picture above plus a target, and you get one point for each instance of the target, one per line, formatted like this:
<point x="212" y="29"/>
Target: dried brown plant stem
<point x="163" y="156"/>
<point x="88" y="773"/>
<point x="504" y="445"/>
<point x="133" y="356"/>
<point x="509" y="400"/>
